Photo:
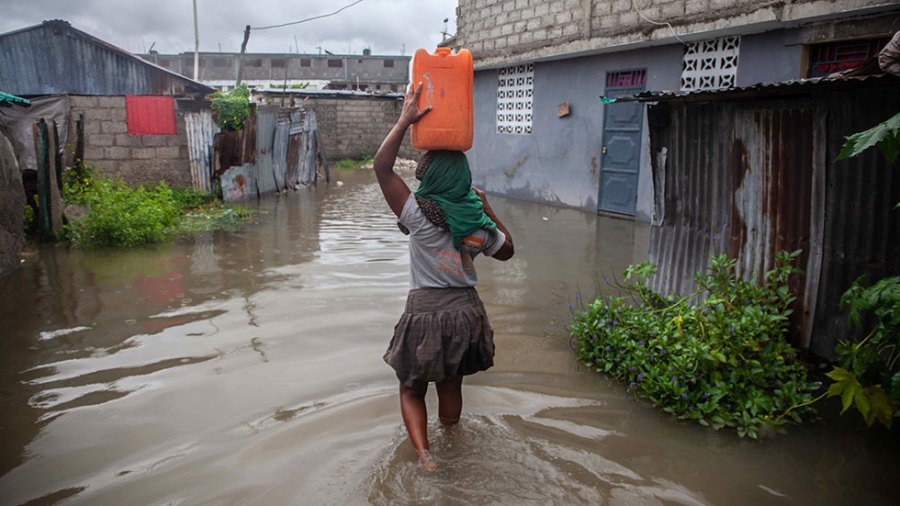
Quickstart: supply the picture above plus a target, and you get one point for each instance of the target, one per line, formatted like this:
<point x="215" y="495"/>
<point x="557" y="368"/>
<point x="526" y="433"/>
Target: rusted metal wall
<point x="285" y="152"/>
<point x="753" y="177"/>
<point x="54" y="58"/>
<point x="201" y="131"/>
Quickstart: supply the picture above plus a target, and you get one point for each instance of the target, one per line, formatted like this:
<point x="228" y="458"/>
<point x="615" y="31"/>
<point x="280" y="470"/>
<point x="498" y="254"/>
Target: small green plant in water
<point x="365" y="160"/>
<point x="723" y="362"/>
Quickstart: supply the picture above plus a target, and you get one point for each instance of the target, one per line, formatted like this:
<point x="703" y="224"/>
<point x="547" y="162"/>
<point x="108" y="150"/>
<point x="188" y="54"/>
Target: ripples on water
<point x="245" y="368"/>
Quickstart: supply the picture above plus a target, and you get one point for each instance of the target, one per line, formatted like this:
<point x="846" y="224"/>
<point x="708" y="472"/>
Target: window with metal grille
<point x="254" y="62"/>
<point x="388" y="64"/>
<point x="305" y="62"/>
<point x="625" y="79"/>
<point x="515" y="90"/>
<point x="335" y="64"/>
<point x="710" y="64"/>
<point x="825" y="59"/>
<point x="277" y="63"/>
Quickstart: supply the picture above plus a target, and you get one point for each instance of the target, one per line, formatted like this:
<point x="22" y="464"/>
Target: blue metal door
<point x="620" y="162"/>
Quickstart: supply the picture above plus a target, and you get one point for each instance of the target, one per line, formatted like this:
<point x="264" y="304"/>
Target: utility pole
<point x="196" y="45"/>
<point x="240" y="72"/>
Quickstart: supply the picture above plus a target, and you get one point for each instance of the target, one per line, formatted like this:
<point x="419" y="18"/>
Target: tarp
<point x="18" y="121"/>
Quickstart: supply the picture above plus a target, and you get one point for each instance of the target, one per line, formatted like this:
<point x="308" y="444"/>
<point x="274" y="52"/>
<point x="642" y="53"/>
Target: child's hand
<point x="411" y="113"/>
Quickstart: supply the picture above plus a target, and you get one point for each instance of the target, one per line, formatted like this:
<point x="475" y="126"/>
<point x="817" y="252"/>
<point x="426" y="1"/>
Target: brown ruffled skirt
<point x="443" y="332"/>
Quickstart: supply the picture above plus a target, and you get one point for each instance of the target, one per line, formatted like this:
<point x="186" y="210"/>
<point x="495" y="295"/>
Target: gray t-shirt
<point x="433" y="260"/>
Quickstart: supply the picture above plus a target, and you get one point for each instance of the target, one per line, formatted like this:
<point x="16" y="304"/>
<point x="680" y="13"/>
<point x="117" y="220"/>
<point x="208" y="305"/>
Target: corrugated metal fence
<point x="201" y="131"/>
<point x="752" y="178"/>
<point x="286" y="152"/>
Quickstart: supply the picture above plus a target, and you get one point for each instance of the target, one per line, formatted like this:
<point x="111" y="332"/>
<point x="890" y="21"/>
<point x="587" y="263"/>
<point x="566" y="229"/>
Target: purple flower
<point x="608" y="348"/>
<point x="599" y="360"/>
<point x="706" y="395"/>
<point x="684" y="396"/>
<point x="577" y="296"/>
<point x="640" y="376"/>
<point x="731" y="329"/>
<point x="714" y="237"/>
<point x="632" y="386"/>
<point x="642" y="343"/>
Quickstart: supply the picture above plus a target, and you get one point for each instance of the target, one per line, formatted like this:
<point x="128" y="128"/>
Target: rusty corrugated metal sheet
<point x="266" y="117"/>
<point x="201" y="131"/>
<point x="54" y="58"/>
<point x="751" y="178"/>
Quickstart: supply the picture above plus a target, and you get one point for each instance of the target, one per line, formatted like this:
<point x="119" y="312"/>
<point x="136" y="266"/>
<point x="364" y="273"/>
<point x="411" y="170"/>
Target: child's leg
<point x="415" y="415"/>
<point x="450" y="399"/>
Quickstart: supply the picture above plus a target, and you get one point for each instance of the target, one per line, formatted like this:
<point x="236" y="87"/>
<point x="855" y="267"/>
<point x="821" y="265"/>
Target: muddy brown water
<point x="245" y="368"/>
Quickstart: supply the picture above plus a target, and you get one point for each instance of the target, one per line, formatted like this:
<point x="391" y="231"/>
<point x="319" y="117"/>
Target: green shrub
<point x="231" y="108"/>
<point x="723" y="362"/>
<point x="119" y="215"/>
<point x="190" y="198"/>
<point x="350" y="163"/>
<point x="868" y="376"/>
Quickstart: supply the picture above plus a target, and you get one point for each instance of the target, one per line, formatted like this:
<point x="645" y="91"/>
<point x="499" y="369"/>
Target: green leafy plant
<point x="885" y="135"/>
<point x="723" y="362"/>
<point x="191" y="198"/>
<point x="120" y="215"/>
<point x="231" y="108"/>
<point x="868" y="376"/>
<point x="365" y="160"/>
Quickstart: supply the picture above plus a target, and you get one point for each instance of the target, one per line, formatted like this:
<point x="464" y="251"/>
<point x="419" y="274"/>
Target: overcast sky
<point x="385" y="26"/>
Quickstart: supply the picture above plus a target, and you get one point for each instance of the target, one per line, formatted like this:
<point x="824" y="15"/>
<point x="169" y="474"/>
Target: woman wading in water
<point x="444" y="332"/>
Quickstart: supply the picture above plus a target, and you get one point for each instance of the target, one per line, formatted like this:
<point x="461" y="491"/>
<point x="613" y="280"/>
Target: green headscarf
<point x="448" y="182"/>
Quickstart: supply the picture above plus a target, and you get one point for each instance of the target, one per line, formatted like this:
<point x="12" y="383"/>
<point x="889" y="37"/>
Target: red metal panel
<point x="150" y="115"/>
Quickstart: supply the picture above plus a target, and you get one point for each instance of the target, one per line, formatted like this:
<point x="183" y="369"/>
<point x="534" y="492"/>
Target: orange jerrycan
<point x="447" y="88"/>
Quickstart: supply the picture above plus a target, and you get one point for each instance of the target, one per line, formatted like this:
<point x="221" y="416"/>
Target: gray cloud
<point x="385" y="26"/>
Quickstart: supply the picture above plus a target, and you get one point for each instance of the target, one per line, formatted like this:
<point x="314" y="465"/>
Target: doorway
<point x="622" y="124"/>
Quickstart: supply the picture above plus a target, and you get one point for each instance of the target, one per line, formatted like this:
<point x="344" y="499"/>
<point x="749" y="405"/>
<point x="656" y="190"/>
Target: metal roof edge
<point x="109" y="46"/>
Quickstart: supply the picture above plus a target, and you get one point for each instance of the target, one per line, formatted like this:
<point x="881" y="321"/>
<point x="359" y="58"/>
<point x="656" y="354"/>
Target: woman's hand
<point x="411" y="113"/>
<point x="483" y="197"/>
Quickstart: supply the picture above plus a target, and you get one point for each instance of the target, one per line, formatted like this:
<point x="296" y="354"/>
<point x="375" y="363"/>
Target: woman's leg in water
<point x="415" y="417"/>
<point x="450" y="399"/>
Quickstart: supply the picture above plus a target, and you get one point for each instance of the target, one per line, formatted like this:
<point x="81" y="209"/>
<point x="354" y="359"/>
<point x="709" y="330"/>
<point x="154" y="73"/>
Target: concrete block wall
<point x="137" y="159"/>
<point x="353" y="127"/>
<point x="495" y="30"/>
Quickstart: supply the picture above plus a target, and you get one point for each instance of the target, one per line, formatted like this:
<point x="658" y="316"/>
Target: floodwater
<point x="245" y="368"/>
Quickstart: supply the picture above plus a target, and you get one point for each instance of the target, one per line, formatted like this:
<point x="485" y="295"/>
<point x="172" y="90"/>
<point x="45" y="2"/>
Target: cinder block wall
<point x="494" y="29"/>
<point x="137" y="159"/>
<point x="355" y="126"/>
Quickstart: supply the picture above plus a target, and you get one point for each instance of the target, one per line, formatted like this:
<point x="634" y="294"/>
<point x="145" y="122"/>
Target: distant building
<point x="366" y="72"/>
<point x="544" y="133"/>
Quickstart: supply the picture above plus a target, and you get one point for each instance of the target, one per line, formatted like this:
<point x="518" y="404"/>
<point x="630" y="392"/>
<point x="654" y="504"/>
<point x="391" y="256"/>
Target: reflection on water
<point x="245" y="368"/>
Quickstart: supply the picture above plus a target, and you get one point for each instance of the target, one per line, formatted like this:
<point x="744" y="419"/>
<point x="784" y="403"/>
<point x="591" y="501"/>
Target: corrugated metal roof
<point x="55" y="58"/>
<point x="6" y="98"/>
<point x="776" y="88"/>
<point x="330" y="93"/>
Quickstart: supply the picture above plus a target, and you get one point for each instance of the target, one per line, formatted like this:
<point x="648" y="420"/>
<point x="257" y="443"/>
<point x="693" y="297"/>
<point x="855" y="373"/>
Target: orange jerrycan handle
<point x="447" y="88"/>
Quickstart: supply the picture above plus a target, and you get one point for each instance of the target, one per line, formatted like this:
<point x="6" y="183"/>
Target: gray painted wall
<point x="559" y="163"/>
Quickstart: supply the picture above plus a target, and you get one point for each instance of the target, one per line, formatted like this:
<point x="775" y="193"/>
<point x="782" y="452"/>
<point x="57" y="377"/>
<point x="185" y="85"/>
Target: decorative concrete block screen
<point x="710" y="64"/>
<point x="515" y="88"/>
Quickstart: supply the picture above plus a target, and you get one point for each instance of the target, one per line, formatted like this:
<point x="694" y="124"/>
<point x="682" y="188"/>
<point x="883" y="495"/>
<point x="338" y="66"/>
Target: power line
<point x="308" y="19"/>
